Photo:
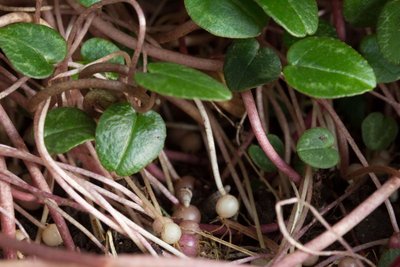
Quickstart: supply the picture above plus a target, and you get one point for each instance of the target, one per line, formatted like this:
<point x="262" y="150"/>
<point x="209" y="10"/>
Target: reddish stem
<point x="266" y="146"/>
<point x="37" y="176"/>
<point x="156" y="52"/>
<point x="155" y="171"/>
<point x="56" y="255"/>
<point x="7" y="222"/>
<point x="343" y="226"/>
<point x="338" y="19"/>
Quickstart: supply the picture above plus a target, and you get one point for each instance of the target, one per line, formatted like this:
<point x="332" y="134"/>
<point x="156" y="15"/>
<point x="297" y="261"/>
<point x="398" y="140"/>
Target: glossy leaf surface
<point x="247" y="65"/>
<point x="324" y="67"/>
<point x="126" y="141"/>
<point x="227" y="18"/>
<point x="299" y="18"/>
<point x="179" y="81"/>
<point x="388" y="31"/>
<point x="316" y="148"/>
<point x="66" y="128"/>
<point x="32" y="49"/>
<point x="96" y="48"/>
<point x="384" y="70"/>
<point x="260" y="159"/>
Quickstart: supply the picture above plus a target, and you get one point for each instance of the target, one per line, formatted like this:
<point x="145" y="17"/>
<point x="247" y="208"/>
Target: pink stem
<point x="156" y="52"/>
<point x="338" y="19"/>
<point x="155" y="171"/>
<point x="37" y="176"/>
<point x="266" y="146"/>
<point x="6" y="202"/>
<point x="56" y="255"/>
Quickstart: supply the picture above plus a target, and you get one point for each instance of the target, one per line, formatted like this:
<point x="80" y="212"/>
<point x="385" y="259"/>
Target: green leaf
<point x="388" y="257"/>
<point x="325" y="29"/>
<point x="179" y="81"/>
<point x="258" y="156"/>
<point x="32" y="49"/>
<point x="385" y="71"/>
<point x="227" y="18"/>
<point x="378" y="131"/>
<point x="298" y="17"/>
<point x="247" y="65"/>
<point x="66" y="128"/>
<point x="388" y="31"/>
<point x="316" y="148"/>
<point x="324" y="67"/>
<point x="87" y="3"/>
<point x="362" y="12"/>
<point x="126" y="141"/>
<point x="96" y="48"/>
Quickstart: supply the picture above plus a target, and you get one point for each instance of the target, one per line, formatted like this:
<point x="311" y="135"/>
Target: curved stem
<point x="363" y="160"/>
<point x="86" y="84"/>
<point x="211" y="147"/>
<point x="268" y="149"/>
<point x="6" y="202"/>
<point x="88" y="71"/>
<point x="37" y="176"/>
<point x="156" y="52"/>
<point x="346" y="224"/>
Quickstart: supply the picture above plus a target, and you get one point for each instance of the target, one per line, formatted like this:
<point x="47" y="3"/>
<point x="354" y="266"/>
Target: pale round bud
<point x="51" y="236"/>
<point x="159" y="223"/>
<point x="171" y="233"/>
<point x="227" y="206"/>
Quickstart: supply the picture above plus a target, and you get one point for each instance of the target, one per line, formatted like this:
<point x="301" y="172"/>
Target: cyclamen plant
<point x="296" y="101"/>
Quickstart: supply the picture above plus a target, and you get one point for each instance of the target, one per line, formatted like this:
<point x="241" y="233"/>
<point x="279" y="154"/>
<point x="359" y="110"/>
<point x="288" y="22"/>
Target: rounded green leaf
<point x="385" y="71"/>
<point x="88" y="3"/>
<point x="126" y="141"/>
<point x="96" y="48"/>
<point x="324" y="67"/>
<point x="388" y="31"/>
<point x="179" y="81"/>
<point x="227" y="18"/>
<point x="66" y="128"/>
<point x="362" y="12"/>
<point x="316" y="148"/>
<point x="378" y="131"/>
<point x="388" y="257"/>
<point x="258" y="156"/>
<point x="32" y="49"/>
<point x="247" y="65"/>
<point x="298" y="17"/>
